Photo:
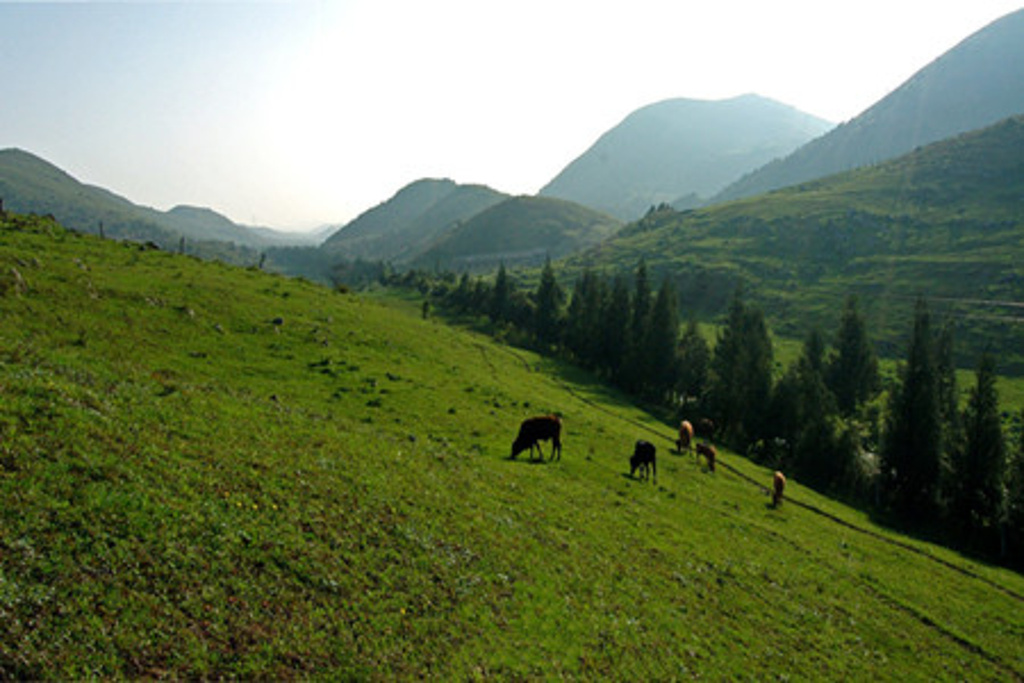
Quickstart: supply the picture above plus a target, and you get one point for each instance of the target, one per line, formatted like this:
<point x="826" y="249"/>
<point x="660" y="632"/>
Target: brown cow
<point x="685" y="439"/>
<point x="533" y="430"/>
<point x="709" y="452"/>
<point x="778" y="486"/>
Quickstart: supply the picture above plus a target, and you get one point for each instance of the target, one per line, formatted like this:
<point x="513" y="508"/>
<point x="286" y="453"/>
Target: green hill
<point x="679" y="147"/>
<point x="401" y="228"/>
<point x="943" y="222"/>
<point x="521" y="231"/>
<point x="973" y="85"/>
<point x="209" y="472"/>
<point x="29" y="184"/>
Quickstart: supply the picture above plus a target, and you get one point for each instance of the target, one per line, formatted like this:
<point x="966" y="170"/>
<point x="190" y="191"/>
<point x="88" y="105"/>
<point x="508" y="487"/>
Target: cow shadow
<point x="527" y="461"/>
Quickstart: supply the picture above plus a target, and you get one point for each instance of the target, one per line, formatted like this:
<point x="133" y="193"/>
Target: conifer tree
<point x="814" y="442"/>
<point x="614" y="330"/>
<point x="584" y="319"/>
<point x="662" y="338"/>
<point x="549" y="306"/>
<point x="463" y="295"/>
<point x="693" y="359"/>
<point x="637" y="363"/>
<point x="740" y="378"/>
<point x="979" y="460"/>
<point x="501" y="297"/>
<point x="910" y="456"/>
<point x="948" y="394"/>
<point x="853" y="370"/>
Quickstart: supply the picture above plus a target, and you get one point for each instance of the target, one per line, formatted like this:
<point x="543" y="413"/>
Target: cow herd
<point x="643" y="462"/>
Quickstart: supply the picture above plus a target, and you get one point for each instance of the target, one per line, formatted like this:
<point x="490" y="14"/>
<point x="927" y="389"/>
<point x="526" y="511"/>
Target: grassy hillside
<point x="29" y="184"/>
<point x="211" y="472"/>
<point x="520" y="230"/>
<point x="401" y="228"/>
<point x="943" y="222"/>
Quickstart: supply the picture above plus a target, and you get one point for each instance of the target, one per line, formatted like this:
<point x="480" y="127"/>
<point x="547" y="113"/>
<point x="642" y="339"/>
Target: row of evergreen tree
<point x="905" y="448"/>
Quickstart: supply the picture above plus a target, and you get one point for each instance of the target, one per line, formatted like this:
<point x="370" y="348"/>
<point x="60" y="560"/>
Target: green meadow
<point x="208" y="471"/>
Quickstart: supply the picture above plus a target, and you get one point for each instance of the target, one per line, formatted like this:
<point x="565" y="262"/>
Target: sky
<point x="298" y="114"/>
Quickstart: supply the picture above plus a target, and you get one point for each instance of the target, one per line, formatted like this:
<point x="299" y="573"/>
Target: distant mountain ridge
<point x="519" y="231"/>
<point x="29" y="184"/>
<point x="400" y="228"/>
<point x="668" y="150"/>
<point x="974" y="84"/>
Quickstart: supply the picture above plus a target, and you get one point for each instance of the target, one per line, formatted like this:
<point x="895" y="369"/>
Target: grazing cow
<point x="533" y="430"/>
<point x="685" y="439"/>
<point x="709" y="452"/>
<point x="778" y="486"/>
<point x="642" y="459"/>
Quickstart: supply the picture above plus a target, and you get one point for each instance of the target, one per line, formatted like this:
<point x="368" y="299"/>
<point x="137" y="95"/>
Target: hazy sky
<point x="295" y="114"/>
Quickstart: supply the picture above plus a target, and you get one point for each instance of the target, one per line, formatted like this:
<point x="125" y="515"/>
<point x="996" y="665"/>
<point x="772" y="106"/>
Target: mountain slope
<point x="944" y="222"/>
<point x="210" y="472"/>
<point x="679" y="147"/>
<point x="400" y="228"/>
<point x="973" y="85"/>
<point x="520" y="230"/>
<point x="30" y="184"/>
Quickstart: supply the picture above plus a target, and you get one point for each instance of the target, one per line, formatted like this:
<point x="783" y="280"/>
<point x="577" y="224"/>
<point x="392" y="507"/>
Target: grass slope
<point x="208" y="472"/>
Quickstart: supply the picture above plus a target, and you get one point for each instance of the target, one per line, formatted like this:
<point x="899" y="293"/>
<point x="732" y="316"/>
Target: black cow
<point x="533" y="430"/>
<point x="642" y="459"/>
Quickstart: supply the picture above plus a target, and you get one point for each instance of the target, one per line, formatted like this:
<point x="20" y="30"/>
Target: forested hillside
<point x="943" y="222"/>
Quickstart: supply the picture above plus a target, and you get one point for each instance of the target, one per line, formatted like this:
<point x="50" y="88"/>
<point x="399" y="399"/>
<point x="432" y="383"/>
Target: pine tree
<point x="662" y="338"/>
<point x="948" y="395"/>
<point x="853" y="370"/>
<point x="584" y="319"/>
<point x="693" y="359"/>
<point x="911" y="454"/>
<point x="814" y="443"/>
<point x="740" y="378"/>
<point x="547" y="315"/>
<point x="979" y="460"/>
<point x="501" y="297"/>
<point x="463" y="294"/>
<point x="637" y="364"/>
<point x="614" y="330"/>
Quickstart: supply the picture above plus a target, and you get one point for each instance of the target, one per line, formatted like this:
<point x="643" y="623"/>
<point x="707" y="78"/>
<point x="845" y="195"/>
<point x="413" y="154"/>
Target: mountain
<point x="520" y="230"/>
<point x="975" y="84"/>
<point x="665" y="151"/>
<point x="400" y="228"/>
<point x="32" y="185"/>
<point x="943" y="221"/>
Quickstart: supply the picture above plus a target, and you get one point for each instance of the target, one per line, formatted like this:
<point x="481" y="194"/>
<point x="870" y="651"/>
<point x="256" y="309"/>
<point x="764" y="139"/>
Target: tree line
<point x="905" y="448"/>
